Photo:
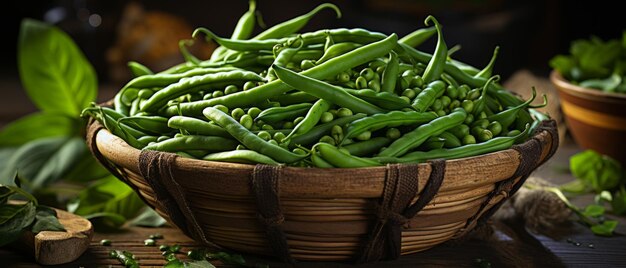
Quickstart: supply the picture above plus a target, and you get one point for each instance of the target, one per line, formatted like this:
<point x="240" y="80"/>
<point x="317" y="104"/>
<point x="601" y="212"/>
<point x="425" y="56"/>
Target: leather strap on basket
<point x="156" y="168"/>
<point x="530" y="154"/>
<point x="265" y="186"/>
<point x="395" y="209"/>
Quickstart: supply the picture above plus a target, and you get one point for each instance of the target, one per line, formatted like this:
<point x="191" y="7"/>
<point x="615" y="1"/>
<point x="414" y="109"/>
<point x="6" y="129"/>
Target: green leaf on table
<point x="618" y="203"/>
<point x="11" y="229"/>
<point x="594" y="211"/>
<point x="148" y="218"/>
<point x="54" y="72"/>
<point x="575" y="187"/>
<point x="107" y="195"/>
<point x="44" y="160"/>
<point x="605" y="228"/>
<point x="38" y="125"/>
<point x="46" y="220"/>
<point x="600" y="172"/>
<point x="87" y="169"/>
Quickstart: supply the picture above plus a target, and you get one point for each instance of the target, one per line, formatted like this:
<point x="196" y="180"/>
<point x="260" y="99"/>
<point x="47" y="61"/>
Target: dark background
<point x="528" y="32"/>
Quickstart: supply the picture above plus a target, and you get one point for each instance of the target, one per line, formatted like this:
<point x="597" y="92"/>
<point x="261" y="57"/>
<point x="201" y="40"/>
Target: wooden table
<point x="511" y="245"/>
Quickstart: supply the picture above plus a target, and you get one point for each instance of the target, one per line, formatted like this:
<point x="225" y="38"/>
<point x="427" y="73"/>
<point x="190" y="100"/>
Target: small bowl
<point x="596" y="119"/>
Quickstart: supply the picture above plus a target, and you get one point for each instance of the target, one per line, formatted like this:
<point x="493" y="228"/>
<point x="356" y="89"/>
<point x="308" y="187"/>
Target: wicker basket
<point x="363" y="214"/>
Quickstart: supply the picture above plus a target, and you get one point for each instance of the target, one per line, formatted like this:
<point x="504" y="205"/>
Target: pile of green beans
<point x="330" y="98"/>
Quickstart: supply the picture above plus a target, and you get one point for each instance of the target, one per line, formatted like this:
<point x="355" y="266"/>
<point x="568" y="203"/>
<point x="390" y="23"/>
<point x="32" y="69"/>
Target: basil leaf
<point x="605" y="229"/>
<point x="600" y="172"/>
<point x="5" y="192"/>
<point x="199" y="264"/>
<point x="593" y="211"/>
<point x="8" y="211"/>
<point x="148" y="218"/>
<point x="54" y="72"/>
<point x="5" y="158"/>
<point x="87" y="169"/>
<point x="44" y="160"/>
<point x="38" y="125"/>
<point x="12" y="228"/>
<point x="109" y="195"/>
<point x="46" y="220"/>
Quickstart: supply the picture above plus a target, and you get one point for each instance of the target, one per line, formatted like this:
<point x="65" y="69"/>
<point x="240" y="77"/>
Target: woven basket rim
<point x="355" y="182"/>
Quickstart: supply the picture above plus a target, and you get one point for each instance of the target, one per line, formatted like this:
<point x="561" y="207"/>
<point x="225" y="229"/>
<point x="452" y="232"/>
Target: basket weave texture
<point x="358" y="214"/>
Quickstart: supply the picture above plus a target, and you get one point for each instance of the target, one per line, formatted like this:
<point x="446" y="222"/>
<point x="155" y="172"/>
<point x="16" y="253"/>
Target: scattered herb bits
<point x="105" y="242"/>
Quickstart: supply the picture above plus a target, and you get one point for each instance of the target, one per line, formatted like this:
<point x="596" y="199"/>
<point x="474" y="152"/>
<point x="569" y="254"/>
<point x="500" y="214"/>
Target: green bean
<point x="320" y="130"/>
<point x="384" y="100"/>
<point x="284" y="54"/>
<point x="139" y="69"/>
<point x="390" y="119"/>
<point x="325" y="70"/>
<point x="418" y="37"/>
<point x="508" y="116"/>
<point x="435" y="66"/>
<point x="248" y="139"/>
<point x="277" y="114"/>
<point x="310" y="120"/>
<point x="194" y="84"/>
<point x="245" y="25"/>
<point x="485" y="73"/>
<point x="416" y="137"/>
<point x="241" y="156"/>
<point x="193" y="142"/>
<point x="426" y="98"/>
<point x="325" y="91"/>
<point x="318" y="161"/>
<point x="162" y="80"/>
<point x="149" y="124"/>
<point x="390" y="75"/>
<point x="182" y="46"/>
<point x="337" y="49"/>
<point x="368" y="147"/>
<point x="238" y="45"/>
<point x="450" y="140"/>
<point x="294" y="98"/>
<point x="196" y="126"/>
<point x="293" y="25"/>
<point x="479" y="104"/>
<point x="340" y="159"/>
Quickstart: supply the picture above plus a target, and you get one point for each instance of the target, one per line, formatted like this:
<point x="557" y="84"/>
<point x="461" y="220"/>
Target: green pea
<point x="254" y="112"/>
<point x="240" y="147"/>
<point x="113" y="254"/>
<point x="246" y="121"/>
<point x="393" y="133"/>
<point x="482" y="115"/>
<point x="288" y="125"/>
<point x="222" y="108"/>
<point x="279" y="136"/>
<point x="376" y="77"/>
<point x="164" y="248"/>
<point x="445" y="101"/>
<point x="105" y="242"/>
<point x="468" y="106"/>
<point x="473" y="94"/>
<point x="149" y="242"/>
<point x="403" y="84"/>
<point x="469" y="119"/>
<point x="495" y="127"/>
<point x="441" y="113"/>
<point x="162" y="138"/>
<point x="264" y="135"/>
<point x="259" y="122"/>
<point x="326" y="117"/>
<point x="207" y="96"/>
<point x="307" y="64"/>
<point x="344" y="112"/>
<point x="343" y="77"/>
<point x="454" y="104"/>
<point x="333" y="112"/>
<point x="267" y="127"/>
<point x="249" y="85"/>
<point x="374" y="85"/>
<point x="175" y="248"/>
<point x="298" y="151"/>
<point x="361" y="82"/>
<point x="237" y="113"/>
<point x="437" y="105"/>
<point x="483" y="123"/>
<point x="218" y="93"/>
<point x="366" y="135"/>
<point x="460" y="131"/>
<point x="468" y="139"/>
<point x="463" y="89"/>
<point x="367" y="73"/>
<point x="409" y="93"/>
<point x="196" y="254"/>
<point x="298" y="120"/>
<point x="380" y="69"/>
<point x="477" y="130"/>
<point x="405" y="98"/>
<point x="417" y="90"/>
<point x="452" y="92"/>
<point x="177" y="135"/>
<point x="231" y="89"/>
<point x="327" y="139"/>
<point x="485" y="135"/>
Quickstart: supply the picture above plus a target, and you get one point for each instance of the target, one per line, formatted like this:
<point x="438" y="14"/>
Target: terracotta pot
<point x="596" y="119"/>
